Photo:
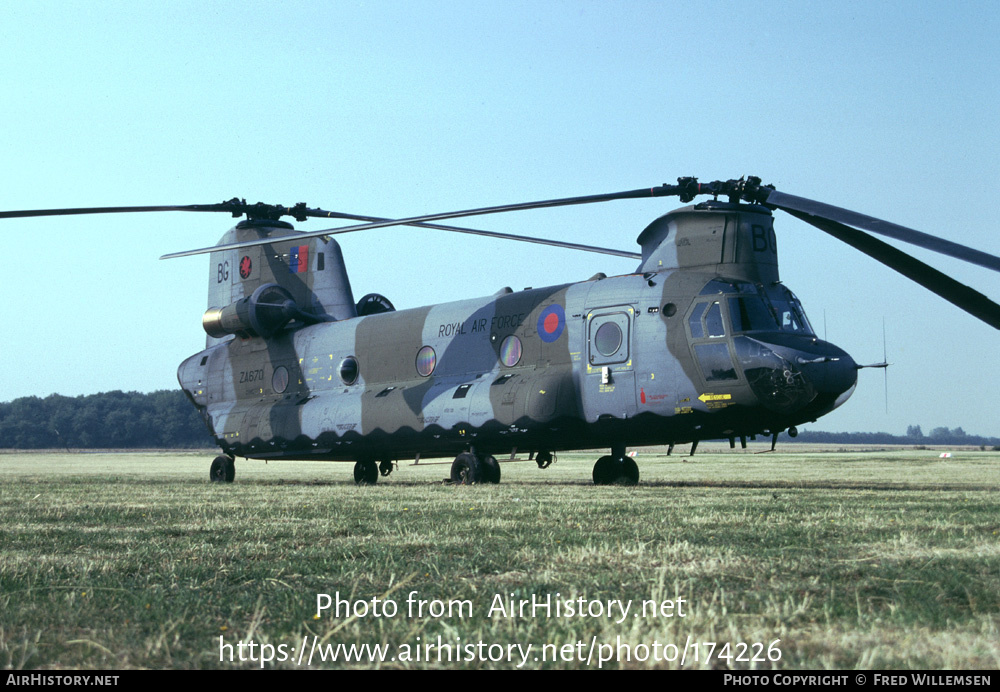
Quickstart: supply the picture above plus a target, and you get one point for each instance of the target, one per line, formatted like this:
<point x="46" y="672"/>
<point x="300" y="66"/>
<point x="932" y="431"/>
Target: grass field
<point x="850" y="559"/>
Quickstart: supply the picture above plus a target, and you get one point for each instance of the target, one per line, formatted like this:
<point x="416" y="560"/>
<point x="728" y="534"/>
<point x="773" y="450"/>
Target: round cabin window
<point x="349" y="370"/>
<point x="426" y="360"/>
<point x="279" y="381"/>
<point x="510" y="351"/>
<point x="608" y="339"/>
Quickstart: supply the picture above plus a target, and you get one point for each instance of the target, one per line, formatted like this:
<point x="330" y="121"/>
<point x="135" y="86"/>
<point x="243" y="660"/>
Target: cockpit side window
<point x="715" y="361"/>
<point x="694" y="322"/>
<point x="706" y="321"/>
<point x="713" y="321"/>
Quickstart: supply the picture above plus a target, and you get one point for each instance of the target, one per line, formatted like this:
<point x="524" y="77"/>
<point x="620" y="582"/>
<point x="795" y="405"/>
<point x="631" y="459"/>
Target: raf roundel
<point x="245" y="267"/>
<point x="551" y="323"/>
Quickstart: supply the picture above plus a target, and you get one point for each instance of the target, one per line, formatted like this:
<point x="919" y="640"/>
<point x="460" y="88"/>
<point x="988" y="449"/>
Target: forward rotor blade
<point x="111" y="210"/>
<point x="960" y="295"/>
<point x="792" y="204"/>
<point x="661" y="191"/>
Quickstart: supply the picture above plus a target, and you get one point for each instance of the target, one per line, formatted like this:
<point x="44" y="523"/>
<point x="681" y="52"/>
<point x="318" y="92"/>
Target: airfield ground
<point x="858" y="558"/>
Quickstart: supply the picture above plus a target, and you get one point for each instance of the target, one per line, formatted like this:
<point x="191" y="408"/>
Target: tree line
<point x="109" y="420"/>
<point x="914" y="436"/>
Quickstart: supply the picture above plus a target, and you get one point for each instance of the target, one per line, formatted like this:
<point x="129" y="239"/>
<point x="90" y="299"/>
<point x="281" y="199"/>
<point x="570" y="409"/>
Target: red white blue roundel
<point x="551" y="323"/>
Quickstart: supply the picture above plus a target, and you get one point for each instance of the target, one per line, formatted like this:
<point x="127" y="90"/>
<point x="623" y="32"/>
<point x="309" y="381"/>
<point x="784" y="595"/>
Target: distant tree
<point x="958" y="432"/>
<point x="914" y="431"/>
<point x="940" y="432"/>
<point x="109" y="420"/>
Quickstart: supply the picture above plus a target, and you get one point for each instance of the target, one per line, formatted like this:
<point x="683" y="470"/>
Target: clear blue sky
<point x="403" y="108"/>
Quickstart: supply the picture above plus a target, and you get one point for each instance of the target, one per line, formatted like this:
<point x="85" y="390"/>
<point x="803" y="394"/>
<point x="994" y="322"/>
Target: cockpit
<point x="759" y="334"/>
<point x="752" y="308"/>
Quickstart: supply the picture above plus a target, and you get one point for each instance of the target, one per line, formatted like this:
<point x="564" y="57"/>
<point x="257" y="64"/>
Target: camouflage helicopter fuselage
<point x="701" y="342"/>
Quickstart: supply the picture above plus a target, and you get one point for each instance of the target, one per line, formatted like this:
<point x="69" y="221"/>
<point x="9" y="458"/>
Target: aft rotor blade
<point x="660" y="191"/>
<point x="964" y="297"/>
<point x="495" y="234"/>
<point x="792" y="204"/>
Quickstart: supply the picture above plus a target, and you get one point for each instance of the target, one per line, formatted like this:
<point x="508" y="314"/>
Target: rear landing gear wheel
<point x="223" y="469"/>
<point x="366" y="472"/>
<point x="385" y="467"/>
<point x="490" y="469"/>
<point x="544" y="459"/>
<point x="610" y="471"/>
<point x="466" y="469"/>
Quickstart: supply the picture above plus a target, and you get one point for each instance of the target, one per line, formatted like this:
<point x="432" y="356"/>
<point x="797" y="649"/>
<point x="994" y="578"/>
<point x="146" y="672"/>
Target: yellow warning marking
<point x="714" y="397"/>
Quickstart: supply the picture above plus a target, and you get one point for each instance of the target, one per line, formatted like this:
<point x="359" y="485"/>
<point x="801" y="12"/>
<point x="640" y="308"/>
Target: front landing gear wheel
<point x="545" y="459"/>
<point x="611" y="471"/>
<point x="366" y="472"/>
<point x="490" y="468"/>
<point x="630" y="472"/>
<point x="466" y="469"/>
<point x="223" y="469"/>
<point x="604" y="471"/>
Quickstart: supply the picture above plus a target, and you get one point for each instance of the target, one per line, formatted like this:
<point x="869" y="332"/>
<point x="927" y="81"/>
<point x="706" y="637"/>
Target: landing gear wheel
<point x="223" y="469"/>
<point x="385" y="467"/>
<point x="609" y="471"/>
<point x="466" y="469"/>
<point x="604" y="471"/>
<point x="365" y="472"/>
<point x="629" y="472"/>
<point x="490" y="468"/>
<point x="544" y="459"/>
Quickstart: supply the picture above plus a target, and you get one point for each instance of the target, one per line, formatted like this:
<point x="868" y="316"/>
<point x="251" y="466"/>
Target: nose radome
<point x="833" y="374"/>
<point x="803" y="377"/>
<point x="829" y="369"/>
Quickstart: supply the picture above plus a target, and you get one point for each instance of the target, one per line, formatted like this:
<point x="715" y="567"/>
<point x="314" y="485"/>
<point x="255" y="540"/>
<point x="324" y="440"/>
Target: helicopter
<point x="701" y="341"/>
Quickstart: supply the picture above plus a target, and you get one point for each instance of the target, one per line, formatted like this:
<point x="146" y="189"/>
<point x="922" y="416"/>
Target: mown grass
<point x="852" y="559"/>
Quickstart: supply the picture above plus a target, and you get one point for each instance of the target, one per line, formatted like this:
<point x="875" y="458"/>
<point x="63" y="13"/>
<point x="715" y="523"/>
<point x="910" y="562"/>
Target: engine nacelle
<point x="264" y="313"/>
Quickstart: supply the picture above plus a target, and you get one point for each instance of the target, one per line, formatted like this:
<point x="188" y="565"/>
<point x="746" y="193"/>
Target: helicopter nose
<point x="826" y="371"/>
<point x="832" y="372"/>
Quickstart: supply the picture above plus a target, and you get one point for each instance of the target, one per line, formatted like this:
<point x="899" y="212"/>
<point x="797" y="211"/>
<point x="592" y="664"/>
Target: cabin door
<point x="609" y="381"/>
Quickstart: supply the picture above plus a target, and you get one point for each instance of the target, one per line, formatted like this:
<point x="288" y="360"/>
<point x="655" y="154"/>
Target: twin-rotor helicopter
<point x="701" y="341"/>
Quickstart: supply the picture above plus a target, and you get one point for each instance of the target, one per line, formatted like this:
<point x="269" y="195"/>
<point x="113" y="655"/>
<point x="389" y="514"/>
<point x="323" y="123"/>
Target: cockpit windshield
<point x="788" y="310"/>
<point x="755" y="308"/>
<point x="751" y="314"/>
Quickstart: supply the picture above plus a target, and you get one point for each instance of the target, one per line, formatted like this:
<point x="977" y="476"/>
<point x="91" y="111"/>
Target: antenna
<point x="885" y="370"/>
